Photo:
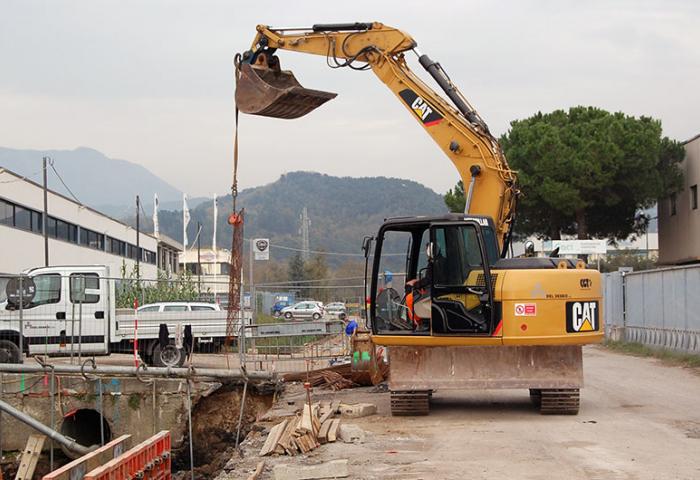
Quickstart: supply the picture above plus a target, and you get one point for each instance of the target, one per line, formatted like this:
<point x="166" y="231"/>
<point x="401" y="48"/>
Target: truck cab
<point x="63" y="310"/>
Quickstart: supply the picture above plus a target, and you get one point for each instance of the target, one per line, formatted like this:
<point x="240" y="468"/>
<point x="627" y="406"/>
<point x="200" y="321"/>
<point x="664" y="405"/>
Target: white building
<point x="77" y="234"/>
<point x="212" y="269"/>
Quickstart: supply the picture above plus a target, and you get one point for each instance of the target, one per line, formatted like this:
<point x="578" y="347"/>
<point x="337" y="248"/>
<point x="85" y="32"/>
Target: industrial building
<point x="77" y="234"/>
<point x="679" y="216"/>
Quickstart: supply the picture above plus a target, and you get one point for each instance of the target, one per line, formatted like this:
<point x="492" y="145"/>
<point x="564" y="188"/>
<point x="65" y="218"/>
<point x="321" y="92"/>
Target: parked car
<point x="276" y="309"/>
<point x="336" y="309"/>
<point x="308" y="309"/>
<point x="179" y="307"/>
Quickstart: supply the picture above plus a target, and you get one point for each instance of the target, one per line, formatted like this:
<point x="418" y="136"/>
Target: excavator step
<point x="559" y="401"/>
<point x="415" y="402"/>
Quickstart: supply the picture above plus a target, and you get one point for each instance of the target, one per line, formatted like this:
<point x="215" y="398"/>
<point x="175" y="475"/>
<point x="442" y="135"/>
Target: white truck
<point x="72" y="310"/>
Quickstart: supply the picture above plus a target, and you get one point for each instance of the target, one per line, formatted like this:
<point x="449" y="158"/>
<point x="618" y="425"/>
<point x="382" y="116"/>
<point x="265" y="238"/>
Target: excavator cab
<point x="446" y="288"/>
<point x="263" y="88"/>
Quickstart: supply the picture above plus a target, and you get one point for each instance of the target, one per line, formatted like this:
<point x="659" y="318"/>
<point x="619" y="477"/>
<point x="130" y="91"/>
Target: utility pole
<point x="250" y="277"/>
<point x="44" y="219"/>
<point x="199" y="257"/>
<point x="138" y="239"/>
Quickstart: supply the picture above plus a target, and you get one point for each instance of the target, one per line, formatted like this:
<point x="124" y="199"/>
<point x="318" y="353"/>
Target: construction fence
<point x="659" y="308"/>
<point x="83" y="313"/>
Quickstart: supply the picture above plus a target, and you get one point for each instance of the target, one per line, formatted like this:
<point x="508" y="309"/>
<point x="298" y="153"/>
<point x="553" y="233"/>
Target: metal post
<point x="53" y="413"/>
<point x="80" y="324"/>
<point x="138" y="240"/>
<point x="21" y="319"/>
<point x="155" y="413"/>
<point x="2" y="394"/>
<point x="44" y="220"/>
<point x="102" y="420"/>
<point x="189" y="424"/>
<point x="253" y="320"/>
<point x="199" y="258"/>
<point x="240" y="413"/>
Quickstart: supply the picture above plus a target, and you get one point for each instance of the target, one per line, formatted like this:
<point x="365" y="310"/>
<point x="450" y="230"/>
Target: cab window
<point x="202" y="308"/>
<point x="48" y="289"/>
<point x="79" y="282"/>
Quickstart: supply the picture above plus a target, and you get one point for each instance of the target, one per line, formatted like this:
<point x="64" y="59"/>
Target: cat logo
<point x="421" y="108"/>
<point x="582" y="317"/>
<point x="424" y="111"/>
<point x="586" y="283"/>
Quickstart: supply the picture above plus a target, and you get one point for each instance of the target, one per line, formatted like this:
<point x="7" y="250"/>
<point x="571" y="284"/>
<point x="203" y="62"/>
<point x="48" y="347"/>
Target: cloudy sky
<point x="151" y="81"/>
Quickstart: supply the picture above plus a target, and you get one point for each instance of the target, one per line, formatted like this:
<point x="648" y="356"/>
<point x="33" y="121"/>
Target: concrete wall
<point x="679" y="234"/>
<point x="128" y="405"/>
<point x="20" y="249"/>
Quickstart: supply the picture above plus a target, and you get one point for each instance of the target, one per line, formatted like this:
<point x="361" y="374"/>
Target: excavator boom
<point x="263" y="88"/>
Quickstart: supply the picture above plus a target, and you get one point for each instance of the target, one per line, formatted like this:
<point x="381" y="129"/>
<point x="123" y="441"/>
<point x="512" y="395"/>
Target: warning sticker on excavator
<point x="525" y="309"/>
<point x="423" y="110"/>
<point x="582" y="317"/>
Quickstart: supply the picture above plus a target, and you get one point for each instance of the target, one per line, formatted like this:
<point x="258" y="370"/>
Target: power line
<point x="62" y="182"/>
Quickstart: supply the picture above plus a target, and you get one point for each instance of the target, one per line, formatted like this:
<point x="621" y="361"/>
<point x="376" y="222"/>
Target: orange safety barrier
<point x="78" y="467"/>
<point x="149" y="460"/>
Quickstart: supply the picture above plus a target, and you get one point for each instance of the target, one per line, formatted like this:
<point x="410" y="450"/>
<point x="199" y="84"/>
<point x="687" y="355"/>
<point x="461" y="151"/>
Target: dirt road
<point x="639" y="419"/>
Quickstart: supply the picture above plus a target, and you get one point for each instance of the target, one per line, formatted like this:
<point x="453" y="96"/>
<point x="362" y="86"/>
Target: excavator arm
<point x="264" y="89"/>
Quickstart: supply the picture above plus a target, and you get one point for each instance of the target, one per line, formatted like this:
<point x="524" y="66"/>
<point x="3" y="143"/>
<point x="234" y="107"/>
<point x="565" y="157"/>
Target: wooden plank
<point x="307" y="418"/>
<point x="92" y="460"/>
<point x="335" y="406"/>
<point x="272" y="438"/>
<point x="323" y="433"/>
<point x="286" y="440"/>
<point x="333" y="430"/>
<point x="30" y="457"/>
<point x="258" y="471"/>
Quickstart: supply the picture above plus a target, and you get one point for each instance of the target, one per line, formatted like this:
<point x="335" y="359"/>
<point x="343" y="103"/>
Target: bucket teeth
<point x="275" y="93"/>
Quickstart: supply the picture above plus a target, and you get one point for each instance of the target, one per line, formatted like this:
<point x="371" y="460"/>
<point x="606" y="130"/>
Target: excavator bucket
<point x="275" y="93"/>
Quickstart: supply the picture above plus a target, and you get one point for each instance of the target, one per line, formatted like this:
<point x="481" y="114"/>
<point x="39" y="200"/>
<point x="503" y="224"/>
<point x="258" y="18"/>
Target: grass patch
<point x="667" y="356"/>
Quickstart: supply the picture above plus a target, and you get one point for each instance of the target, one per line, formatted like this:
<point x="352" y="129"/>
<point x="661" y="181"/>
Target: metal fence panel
<point x="663" y="308"/>
<point x="613" y="305"/>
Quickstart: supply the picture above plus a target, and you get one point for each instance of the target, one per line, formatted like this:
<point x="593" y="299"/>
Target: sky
<point x="151" y="81"/>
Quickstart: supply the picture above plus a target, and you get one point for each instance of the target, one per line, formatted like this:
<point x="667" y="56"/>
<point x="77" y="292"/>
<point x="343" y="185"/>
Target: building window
<point x="92" y="239"/>
<point x="7" y="213"/>
<point x="23" y="218"/>
<point x="673" y="204"/>
<point x="694" y="197"/>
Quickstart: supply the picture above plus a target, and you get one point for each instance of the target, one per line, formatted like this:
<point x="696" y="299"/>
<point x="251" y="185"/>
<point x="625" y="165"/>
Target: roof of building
<point x="162" y="238"/>
<point x="692" y="139"/>
<point x="53" y="192"/>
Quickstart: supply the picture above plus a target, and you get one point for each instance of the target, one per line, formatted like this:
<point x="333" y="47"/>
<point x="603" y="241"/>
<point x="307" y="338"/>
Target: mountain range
<point x="341" y="210"/>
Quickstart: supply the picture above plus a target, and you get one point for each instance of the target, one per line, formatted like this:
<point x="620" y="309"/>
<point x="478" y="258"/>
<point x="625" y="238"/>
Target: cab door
<point x="461" y="284"/>
<point x="89" y="298"/>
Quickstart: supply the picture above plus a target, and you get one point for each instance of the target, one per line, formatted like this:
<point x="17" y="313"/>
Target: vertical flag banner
<point x="156" y="227"/>
<point x="185" y="222"/>
<point x="216" y="214"/>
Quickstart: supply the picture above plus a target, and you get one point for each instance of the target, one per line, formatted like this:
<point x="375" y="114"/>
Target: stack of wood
<point x="305" y="432"/>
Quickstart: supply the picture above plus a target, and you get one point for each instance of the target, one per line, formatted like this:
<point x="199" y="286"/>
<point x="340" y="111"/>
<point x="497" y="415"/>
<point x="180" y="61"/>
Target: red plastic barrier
<point x="147" y="460"/>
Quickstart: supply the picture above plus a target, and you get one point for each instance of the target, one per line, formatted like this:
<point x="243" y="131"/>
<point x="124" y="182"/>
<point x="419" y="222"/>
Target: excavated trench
<point x="214" y="428"/>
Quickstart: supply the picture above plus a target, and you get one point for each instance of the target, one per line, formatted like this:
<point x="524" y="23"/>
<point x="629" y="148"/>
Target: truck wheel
<point x="170" y="356"/>
<point x="316" y="316"/>
<point x="288" y="315"/>
<point x="9" y="352"/>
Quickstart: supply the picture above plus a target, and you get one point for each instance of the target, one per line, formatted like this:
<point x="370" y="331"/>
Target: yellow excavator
<point x="467" y="317"/>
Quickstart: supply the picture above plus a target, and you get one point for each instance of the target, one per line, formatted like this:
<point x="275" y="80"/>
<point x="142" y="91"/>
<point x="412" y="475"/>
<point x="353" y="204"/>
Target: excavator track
<point x="558" y="401"/>
<point x="410" y="403"/>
